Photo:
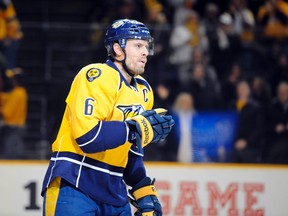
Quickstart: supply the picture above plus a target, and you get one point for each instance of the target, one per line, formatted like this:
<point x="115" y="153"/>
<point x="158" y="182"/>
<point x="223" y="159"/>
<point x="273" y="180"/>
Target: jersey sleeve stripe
<point x="135" y="152"/>
<point x="105" y="135"/>
<point x="96" y="130"/>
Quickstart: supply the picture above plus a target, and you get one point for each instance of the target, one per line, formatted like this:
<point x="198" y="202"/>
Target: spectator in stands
<point x="227" y="46"/>
<point x="206" y="92"/>
<point x="260" y="91"/>
<point x="278" y="126"/>
<point x="13" y="111"/>
<point x="179" y="146"/>
<point x="182" y="9"/>
<point x="184" y="38"/>
<point x="272" y="16"/>
<point x="10" y="33"/>
<point x="242" y="16"/>
<point x="244" y="26"/>
<point x="228" y="85"/>
<point x="198" y="57"/>
<point x="249" y="134"/>
<point x="155" y="13"/>
<point x="210" y="20"/>
<point x="279" y="72"/>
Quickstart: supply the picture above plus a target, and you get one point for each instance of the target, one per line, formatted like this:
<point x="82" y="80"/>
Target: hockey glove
<point x="144" y="197"/>
<point x="151" y="126"/>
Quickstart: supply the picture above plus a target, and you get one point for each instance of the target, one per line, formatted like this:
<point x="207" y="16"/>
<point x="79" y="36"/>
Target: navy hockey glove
<point x="144" y="197"/>
<point x="151" y="126"/>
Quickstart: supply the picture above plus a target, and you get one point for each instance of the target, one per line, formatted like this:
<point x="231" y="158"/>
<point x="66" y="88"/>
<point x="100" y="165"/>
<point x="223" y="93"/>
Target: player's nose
<point x="145" y="51"/>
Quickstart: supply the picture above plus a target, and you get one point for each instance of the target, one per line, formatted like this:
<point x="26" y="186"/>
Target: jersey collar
<point x="133" y="81"/>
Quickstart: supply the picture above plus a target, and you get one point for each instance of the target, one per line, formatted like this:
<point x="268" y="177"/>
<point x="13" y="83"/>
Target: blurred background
<point x="220" y="68"/>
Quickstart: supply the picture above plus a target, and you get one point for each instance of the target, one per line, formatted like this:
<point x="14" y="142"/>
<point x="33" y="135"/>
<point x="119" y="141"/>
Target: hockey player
<point x="109" y="118"/>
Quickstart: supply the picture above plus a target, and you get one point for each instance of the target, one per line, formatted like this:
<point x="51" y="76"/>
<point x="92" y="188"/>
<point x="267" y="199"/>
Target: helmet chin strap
<point x="127" y="70"/>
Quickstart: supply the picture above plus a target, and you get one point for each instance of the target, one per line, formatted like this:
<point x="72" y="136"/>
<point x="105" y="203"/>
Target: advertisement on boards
<point x="184" y="190"/>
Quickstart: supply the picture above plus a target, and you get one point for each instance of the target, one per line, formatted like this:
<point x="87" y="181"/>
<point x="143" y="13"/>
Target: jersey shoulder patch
<point x="93" y="73"/>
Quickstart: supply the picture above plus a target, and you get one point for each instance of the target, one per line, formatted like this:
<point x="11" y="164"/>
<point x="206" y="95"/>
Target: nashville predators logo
<point x="130" y="111"/>
<point x="117" y="24"/>
<point x="92" y="74"/>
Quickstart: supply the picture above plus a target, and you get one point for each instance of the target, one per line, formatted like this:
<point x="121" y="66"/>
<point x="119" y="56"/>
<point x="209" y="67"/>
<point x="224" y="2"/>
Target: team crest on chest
<point x="92" y="74"/>
<point x="130" y="111"/>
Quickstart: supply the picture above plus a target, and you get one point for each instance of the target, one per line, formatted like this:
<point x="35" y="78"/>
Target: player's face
<point x="136" y="55"/>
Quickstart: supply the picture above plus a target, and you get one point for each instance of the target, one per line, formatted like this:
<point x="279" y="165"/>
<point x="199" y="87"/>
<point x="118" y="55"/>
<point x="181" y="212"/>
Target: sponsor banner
<point x="213" y="135"/>
<point x="200" y="190"/>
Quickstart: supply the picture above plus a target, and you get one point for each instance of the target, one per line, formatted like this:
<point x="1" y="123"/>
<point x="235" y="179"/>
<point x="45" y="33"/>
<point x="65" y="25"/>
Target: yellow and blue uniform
<point x="91" y="150"/>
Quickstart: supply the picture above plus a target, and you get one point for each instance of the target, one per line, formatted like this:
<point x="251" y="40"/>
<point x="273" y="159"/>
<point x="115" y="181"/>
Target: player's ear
<point x="119" y="54"/>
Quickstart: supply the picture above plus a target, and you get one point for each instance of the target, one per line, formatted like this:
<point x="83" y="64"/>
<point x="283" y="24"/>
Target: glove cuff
<point x="145" y="198"/>
<point x="143" y="188"/>
<point x="151" y="213"/>
<point x="145" y="191"/>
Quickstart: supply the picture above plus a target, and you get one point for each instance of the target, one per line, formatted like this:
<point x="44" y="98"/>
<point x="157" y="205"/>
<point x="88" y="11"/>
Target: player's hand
<point x="151" y="126"/>
<point x="144" y="197"/>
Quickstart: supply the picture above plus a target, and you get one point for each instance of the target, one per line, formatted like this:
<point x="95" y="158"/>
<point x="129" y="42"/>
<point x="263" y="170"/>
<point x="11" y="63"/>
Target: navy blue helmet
<point x="123" y="29"/>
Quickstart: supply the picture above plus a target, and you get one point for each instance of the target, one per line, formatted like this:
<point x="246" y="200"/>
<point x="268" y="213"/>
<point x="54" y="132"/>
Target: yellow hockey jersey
<point x="91" y="150"/>
<point x="14" y="107"/>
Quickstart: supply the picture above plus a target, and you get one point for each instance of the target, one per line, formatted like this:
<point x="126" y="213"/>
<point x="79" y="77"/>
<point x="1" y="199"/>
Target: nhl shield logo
<point x="92" y="74"/>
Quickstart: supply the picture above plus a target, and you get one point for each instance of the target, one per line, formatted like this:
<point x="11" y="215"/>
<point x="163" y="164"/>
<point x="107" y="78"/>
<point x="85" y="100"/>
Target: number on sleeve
<point x="88" y="110"/>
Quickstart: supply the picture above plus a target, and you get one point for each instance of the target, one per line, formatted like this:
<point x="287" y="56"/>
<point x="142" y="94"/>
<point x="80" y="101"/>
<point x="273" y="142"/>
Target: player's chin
<point x="139" y="71"/>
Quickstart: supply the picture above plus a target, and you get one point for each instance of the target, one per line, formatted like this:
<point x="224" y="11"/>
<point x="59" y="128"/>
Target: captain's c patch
<point x="92" y="74"/>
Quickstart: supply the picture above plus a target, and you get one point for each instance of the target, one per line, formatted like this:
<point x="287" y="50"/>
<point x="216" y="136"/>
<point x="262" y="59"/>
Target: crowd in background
<point x="13" y="94"/>
<point x="215" y="56"/>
